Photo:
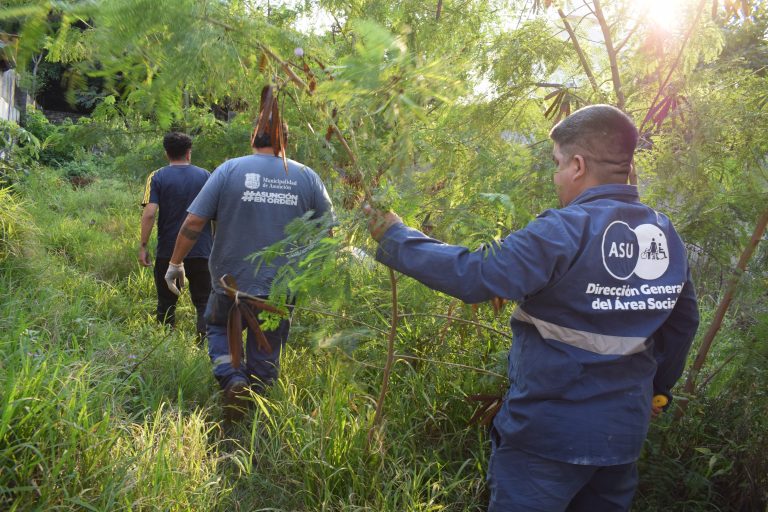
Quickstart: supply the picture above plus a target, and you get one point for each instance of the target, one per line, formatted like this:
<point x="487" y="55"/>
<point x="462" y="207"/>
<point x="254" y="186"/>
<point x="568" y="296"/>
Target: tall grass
<point x="84" y="426"/>
<point x="78" y="430"/>
<point x="15" y="225"/>
<point x="307" y="448"/>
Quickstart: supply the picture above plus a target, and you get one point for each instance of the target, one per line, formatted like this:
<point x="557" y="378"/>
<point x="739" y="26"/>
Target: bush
<point x="37" y="124"/>
<point x="80" y="172"/>
<point x="60" y="144"/>
<point x="83" y="226"/>
<point x="18" y="149"/>
<point x="714" y="457"/>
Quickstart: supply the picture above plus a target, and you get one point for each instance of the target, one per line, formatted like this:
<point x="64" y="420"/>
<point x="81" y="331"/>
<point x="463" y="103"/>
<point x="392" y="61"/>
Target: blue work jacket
<point x="605" y="318"/>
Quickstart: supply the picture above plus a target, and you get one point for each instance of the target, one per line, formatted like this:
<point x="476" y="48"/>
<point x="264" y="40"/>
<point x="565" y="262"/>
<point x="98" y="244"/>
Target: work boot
<point x="235" y="394"/>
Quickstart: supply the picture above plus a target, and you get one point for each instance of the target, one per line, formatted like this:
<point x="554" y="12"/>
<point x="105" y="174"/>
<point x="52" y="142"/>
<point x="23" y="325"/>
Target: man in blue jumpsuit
<point x="598" y="330"/>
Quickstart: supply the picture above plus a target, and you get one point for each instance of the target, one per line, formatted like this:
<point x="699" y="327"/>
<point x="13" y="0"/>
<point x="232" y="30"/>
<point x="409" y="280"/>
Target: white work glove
<point x="174" y="277"/>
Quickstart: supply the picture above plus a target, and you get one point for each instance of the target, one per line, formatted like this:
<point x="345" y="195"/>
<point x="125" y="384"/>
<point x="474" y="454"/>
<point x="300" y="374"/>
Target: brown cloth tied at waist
<point x="242" y="309"/>
<point x="489" y="406"/>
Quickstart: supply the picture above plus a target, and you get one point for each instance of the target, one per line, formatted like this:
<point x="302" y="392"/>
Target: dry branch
<point x="612" y="53"/>
<point x="579" y="52"/>
<point x="288" y="71"/>
<point x="448" y="363"/>
<point x="342" y="317"/>
<point x="458" y="319"/>
<point x="309" y="90"/>
<point x="621" y="45"/>
<point x="676" y="61"/>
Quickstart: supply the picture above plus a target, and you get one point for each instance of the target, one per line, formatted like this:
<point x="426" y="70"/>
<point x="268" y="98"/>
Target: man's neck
<point x="178" y="162"/>
<point x="265" y="151"/>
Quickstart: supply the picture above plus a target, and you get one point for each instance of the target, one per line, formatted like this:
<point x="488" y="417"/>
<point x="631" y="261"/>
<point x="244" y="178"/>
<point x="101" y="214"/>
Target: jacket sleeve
<point x="673" y="340"/>
<point x="520" y="265"/>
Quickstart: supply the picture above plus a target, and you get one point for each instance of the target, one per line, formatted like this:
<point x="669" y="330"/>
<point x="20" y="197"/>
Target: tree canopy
<point x="441" y="111"/>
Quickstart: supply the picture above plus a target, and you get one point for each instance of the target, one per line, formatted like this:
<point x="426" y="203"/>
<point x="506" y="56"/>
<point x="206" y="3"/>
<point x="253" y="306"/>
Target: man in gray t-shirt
<point x="252" y="199"/>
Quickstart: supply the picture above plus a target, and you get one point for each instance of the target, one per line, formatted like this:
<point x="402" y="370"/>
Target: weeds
<point x="83" y="425"/>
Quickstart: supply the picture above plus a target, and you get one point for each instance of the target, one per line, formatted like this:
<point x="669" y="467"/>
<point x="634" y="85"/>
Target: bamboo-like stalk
<point x="390" y="358"/>
<point x="722" y="308"/>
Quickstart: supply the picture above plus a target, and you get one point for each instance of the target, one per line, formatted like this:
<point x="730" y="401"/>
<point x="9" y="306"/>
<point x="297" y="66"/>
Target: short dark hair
<point x="606" y="135"/>
<point x="265" y="141"/>
<point x="177" y="144"/>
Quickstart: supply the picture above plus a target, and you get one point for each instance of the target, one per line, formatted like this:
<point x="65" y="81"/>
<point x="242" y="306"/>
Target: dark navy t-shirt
<point x="173" y="188"/>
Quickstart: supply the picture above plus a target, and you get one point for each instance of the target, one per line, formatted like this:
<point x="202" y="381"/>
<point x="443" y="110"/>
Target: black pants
<point x="196" y="271"/>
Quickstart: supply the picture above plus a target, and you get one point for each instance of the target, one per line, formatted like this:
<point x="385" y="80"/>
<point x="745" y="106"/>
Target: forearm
<point x="188" y="234"/>
<point x="146" y="230"/>
<point x="147" y="223"/>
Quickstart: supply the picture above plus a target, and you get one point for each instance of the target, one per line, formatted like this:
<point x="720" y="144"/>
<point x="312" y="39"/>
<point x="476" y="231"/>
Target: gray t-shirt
<point x="253" y="199"/>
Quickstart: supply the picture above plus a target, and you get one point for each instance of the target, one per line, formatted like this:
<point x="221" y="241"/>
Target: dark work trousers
<point x="259" y="369"/>
<point x="199" y="281"/>
<point x="522" y="482"/>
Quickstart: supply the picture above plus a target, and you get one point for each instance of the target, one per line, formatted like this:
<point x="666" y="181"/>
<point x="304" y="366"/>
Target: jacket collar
<point x="620" y="192"/>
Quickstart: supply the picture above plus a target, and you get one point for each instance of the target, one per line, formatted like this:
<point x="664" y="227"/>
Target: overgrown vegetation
<point x="103" y="410"/>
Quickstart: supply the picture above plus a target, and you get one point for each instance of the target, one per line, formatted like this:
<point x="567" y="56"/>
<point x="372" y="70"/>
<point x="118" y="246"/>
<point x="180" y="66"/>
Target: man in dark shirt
<point x="171" y="190"/>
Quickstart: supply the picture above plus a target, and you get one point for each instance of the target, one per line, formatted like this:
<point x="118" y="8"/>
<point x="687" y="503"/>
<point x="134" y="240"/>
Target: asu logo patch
<point x="642" y="251"/>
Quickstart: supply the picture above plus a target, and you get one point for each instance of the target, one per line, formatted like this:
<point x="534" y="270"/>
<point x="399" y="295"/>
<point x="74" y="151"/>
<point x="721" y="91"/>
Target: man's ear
<point x="581" y="167"/>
